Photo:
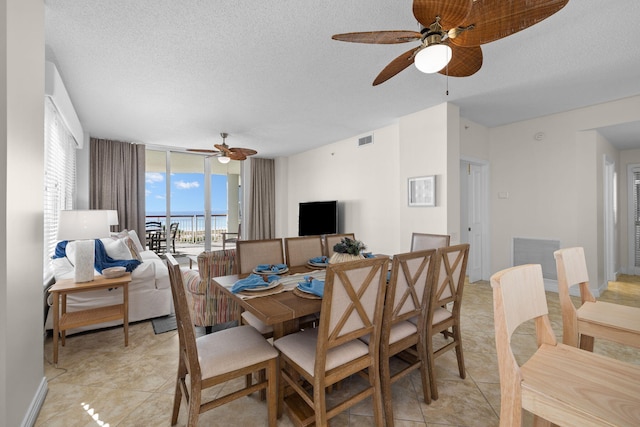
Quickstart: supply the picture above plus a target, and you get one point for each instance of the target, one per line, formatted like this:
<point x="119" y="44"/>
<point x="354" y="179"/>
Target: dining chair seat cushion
<point x="232" y="349"/>
<point x="301" y="349"/>
<point x="259" y="325"/>
<point x="398" y="331"/>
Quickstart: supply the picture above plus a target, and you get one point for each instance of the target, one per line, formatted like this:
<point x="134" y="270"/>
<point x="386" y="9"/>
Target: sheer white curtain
<point x="59" y="178"/>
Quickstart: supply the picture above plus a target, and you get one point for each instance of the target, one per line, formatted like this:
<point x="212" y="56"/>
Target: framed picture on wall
<point x="422" y="191"/>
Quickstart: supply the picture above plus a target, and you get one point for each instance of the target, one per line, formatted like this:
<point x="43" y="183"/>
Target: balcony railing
<point x="191" y="227"/>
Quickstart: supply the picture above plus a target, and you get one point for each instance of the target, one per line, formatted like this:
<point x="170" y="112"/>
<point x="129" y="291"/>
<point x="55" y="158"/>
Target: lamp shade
<point x="433" y="58"/>
<point x="224" y="159"/>
<point x="83" y="224"/>
<point x="113" y="217"/>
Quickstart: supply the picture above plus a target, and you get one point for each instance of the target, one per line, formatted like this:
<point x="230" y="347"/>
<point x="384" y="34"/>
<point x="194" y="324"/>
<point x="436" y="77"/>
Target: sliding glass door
<point x="195" y="193"/>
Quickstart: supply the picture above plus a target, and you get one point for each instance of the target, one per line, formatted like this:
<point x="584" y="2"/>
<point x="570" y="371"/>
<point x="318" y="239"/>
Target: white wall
<point x="371" y="181"/>
<point x="627" y="157"/>
<point x="22" y="381"/>
<point x="555" y="184"/>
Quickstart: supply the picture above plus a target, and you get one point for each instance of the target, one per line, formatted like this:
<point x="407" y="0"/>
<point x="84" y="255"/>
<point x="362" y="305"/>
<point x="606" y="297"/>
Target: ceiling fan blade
<point x="465" y="61"/>
<point x="495" y="19"/>
<point x="197" y="150"/>
<point x="451" y="12"/>
<point x="223" y="148"/>
<point x="237" y="156"/>
<point x="395" y="66"/>
<point x="379" y="37"/>
<point x="243" y="151"/>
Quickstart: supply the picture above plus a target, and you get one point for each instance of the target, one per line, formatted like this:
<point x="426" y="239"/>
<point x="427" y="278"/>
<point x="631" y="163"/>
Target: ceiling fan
<point x="452" y="32"/>
<point x="224" y="153"/>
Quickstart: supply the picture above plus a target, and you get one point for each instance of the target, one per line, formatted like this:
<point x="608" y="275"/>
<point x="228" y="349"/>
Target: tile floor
<point x="98" y="382"/>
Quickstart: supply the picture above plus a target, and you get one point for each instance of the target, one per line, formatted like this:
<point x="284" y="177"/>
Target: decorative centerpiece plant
<point x="347" y="250"/>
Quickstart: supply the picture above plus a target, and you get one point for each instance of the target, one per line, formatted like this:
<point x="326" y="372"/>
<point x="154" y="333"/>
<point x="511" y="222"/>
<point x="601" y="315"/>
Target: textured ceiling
<point x="178" y="72"/>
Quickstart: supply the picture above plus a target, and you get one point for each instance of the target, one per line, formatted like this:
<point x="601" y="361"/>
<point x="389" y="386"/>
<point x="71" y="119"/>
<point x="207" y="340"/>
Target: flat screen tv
<point x="318" y="218"/>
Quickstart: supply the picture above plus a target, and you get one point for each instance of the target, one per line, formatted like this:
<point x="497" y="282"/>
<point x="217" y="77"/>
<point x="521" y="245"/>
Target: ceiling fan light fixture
<point x="433" y="58"/>
<point x="224" y="159"/>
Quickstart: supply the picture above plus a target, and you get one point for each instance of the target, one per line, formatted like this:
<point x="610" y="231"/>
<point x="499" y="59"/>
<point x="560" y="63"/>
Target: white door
<point x="475" y="186"/>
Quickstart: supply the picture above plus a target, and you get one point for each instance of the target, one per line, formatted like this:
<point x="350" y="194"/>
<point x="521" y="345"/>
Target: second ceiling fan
<point x="224" y="153"/>
<point x="453" y="31"/>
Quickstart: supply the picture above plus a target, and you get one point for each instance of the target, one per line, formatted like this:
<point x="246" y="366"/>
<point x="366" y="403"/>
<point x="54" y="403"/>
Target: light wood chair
<point x="424" y="241"/>
<point x="351" y="308"/>
<point x="593" y="319"/>
<point x="217" y="358"/>
<point x="299" y="250"/>
<point x="330" y="241"/>
<point x="559" y="384"/>
<point x="443" y="313"/>
<point x="407" y="298"/>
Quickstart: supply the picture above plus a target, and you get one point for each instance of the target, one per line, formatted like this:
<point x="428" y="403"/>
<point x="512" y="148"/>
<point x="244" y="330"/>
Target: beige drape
<point x="262" y="198"/>
<point x="117" y="181"/>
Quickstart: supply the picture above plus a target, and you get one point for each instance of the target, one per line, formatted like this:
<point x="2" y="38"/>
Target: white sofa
<point x="149" y="290"/>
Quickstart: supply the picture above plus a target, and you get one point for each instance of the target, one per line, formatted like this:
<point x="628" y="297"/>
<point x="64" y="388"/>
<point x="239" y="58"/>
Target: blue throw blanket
<point x="102" y="260"/>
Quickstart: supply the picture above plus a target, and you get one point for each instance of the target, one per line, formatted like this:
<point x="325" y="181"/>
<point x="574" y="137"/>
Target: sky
<point x="187" y="193"/>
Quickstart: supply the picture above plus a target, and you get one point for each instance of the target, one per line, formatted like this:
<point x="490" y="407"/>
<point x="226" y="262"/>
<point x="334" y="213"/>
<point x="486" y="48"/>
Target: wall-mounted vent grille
<point x="365" y="140"/>
<point x="536" y="251"/>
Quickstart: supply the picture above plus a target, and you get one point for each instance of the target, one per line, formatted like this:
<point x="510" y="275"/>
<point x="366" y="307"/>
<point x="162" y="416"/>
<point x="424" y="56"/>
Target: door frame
<point x="631" y="226"/>
<point x="484" y="211"/>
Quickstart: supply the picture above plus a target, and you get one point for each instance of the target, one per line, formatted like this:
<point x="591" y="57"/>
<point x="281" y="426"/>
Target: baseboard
<point x="36" y="404"/>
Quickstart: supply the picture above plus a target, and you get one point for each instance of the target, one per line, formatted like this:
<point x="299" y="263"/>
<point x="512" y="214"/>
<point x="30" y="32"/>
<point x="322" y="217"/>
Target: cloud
<point x="160" y="197"/>
<point x="153" y="177"/>
<point x="182" y="185"/>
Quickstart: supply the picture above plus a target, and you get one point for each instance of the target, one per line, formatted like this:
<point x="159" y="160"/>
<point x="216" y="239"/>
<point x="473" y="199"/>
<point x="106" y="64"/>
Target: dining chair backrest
<point x="423" y="241"/>
<point x="593" y="319"/>
<point x="254" y="252"/>
<point x="409" y="286"/>
<point x="184" y="323"/>
<point x="406" y="300"/>
<point x="330" y="241"/>
<point x="560" y="384"/>
<point x="352" y="303"/>
<point x="443" y="312"/>
<point x="299" y="250"/>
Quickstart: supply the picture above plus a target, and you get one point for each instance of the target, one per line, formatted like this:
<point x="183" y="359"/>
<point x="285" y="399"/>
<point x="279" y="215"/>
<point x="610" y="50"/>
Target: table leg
<point x="63" y="311"/>
<point x="125" y="296"/>
<point x="56" y="326"/>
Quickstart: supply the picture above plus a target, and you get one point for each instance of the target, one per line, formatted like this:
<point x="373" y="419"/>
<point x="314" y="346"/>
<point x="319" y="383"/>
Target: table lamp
<point x="113" y="217"/>
<point x="83" y="226"/>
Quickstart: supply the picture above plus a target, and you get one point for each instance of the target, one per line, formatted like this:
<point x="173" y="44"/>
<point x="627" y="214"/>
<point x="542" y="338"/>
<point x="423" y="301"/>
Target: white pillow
<point x="116" y="249"/>
<point x="136" y="240"/>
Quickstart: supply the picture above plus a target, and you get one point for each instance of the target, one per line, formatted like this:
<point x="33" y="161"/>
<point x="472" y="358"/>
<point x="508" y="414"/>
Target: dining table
<point x="280" y="308"/>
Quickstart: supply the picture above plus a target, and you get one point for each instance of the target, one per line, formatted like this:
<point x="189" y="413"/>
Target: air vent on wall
<point x="365" y="140"/>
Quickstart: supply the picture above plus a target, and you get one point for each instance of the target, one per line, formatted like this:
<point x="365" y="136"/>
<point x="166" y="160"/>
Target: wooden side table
<point x="75" y="319"/>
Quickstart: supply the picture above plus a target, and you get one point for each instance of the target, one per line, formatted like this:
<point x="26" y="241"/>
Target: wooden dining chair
<point x="299" y="250"/>
<point x="423" y="241"/>
<point x="330" y="241"/>
<point x="317" y="358"/>
<point x="444" y="304"/>
<point x="559" y="384"/>
<point x="251" y="253"/>
<point x="217" y="358"/>
<point x="593" y="319"/>
<point x="407" y="298"/>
